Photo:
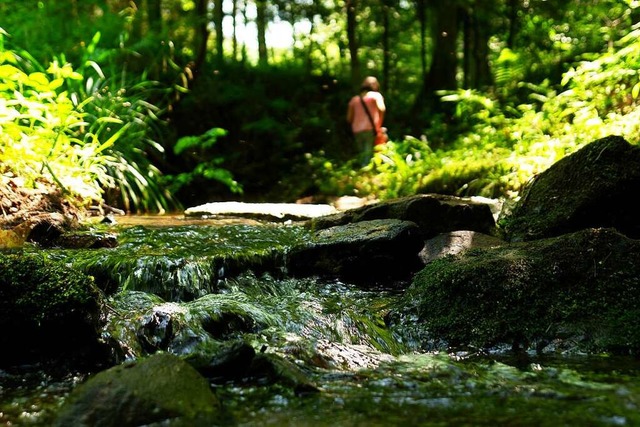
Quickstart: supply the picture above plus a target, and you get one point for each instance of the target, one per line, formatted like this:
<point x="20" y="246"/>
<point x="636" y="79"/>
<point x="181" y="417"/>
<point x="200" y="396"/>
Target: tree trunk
<point x="386" y="54"/>
<point x="261" y="23"/>
<point x="442" y="73"/>
<point x="475" y="51"/>
<point x="480" y="55"/>
<point x="245" y="22"/>
<point x="202" y="35"/>
<point x="234" y="42"/>
<point x="351" y="6"/>
<point x="421" y="12"/>
<point x="218" y="16"/>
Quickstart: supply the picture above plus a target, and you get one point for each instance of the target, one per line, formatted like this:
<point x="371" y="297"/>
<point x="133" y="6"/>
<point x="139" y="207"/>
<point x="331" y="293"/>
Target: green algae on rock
<point x="46" y="309"/>
<point x="152" y="390"/>
<point x="597" y="186"/>
<point x="579" y="291"/>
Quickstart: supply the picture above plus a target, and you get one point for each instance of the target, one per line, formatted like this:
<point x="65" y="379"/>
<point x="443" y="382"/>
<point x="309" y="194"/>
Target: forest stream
<point x="334" y="333"/>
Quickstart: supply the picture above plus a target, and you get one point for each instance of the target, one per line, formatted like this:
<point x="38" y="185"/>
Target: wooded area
<point x="155" y="104"/>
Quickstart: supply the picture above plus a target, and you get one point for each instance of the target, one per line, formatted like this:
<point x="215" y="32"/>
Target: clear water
<point x="367" y="375"/>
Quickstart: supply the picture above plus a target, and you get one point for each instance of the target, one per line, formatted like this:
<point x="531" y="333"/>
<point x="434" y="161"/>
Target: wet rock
<point x="597" y="186"/>
<point x="47" y="310"/>
<point x="273" y="369"/>
<point x="156" y="331"/>
<point x="371" y="252"/>
<point x="85" y="240"/>
<point x="232" y="361"/>
<point x="159" y="389"/>
<point x="432" y="213"/>
<point x="581" y="288"/>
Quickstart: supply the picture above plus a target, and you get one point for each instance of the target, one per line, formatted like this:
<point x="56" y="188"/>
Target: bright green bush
<point x="89" y="133"/>
<point x="42" y="131"/>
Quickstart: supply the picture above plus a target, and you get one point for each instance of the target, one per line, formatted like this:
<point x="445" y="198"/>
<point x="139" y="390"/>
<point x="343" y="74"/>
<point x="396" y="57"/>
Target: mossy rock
<point x="597" y="186"/>
<point x="432" y="213"/>
<point x="364" y="252"/>
<point x="582" y="288"/>
<point x="46" y="309"/>
<point x="159" y="389"/>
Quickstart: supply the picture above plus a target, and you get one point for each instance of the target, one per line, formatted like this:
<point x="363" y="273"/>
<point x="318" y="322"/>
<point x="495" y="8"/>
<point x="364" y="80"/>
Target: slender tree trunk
<point x="386" y="53"/>
<point x="443" y="64"/>
<point x="234" y="42"/>
<point x="218" y="17"/>
<point x="468" y="70"/>
<point x="442" y="73"/>
<point x="310" y="49"/>
<point x="245" y="22"/>
<point x="421" y="11"/>
<point x="261" y="23"/>
<point x="202" y="34"/>
<point x="483" y="76"/>
<point x="352" y="6"/>
<point x="476" y="29"/>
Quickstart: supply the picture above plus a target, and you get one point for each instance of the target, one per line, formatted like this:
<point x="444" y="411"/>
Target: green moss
<point x="57" y="307"/>
<point x="588" y="188"/>
<point x="150" y="390"/>
<point x="43" y="290"/>
<point x="584" y="285"/>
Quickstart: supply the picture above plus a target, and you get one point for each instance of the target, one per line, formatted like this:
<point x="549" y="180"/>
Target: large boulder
<point x="597" y="186"/>
<point x="159" y="389"/>
<point x="578" y="291"/>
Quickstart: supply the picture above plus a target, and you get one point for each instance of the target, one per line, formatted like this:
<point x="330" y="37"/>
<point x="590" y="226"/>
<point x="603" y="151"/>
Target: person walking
<point x="365" y="114"/>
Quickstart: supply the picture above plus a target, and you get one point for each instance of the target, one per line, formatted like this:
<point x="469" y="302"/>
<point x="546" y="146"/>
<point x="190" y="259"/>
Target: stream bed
<point x="364" y="373"/>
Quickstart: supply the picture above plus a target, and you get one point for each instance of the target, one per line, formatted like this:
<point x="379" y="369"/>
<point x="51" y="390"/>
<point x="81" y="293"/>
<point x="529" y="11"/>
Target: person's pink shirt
<point x="375" y="104"/>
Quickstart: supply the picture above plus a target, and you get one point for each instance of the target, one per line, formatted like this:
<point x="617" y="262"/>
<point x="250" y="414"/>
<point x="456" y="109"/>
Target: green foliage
<point x="197" y="149"/>
<point x="83" y="130"/>
<point x="273" y="117"/>
<point x="502" y="146"/>
<point x="42" y="130"/>
<point x="283" y="119"/>
<point x="121" y="111"/>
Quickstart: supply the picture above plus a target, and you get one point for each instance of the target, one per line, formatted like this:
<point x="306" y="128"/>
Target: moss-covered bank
<point x="46" y="309"/>
<point x="579" y="291"/>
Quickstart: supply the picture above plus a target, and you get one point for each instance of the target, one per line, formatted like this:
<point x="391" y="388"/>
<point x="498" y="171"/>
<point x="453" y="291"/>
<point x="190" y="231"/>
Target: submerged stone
<point x="276" y="370"/>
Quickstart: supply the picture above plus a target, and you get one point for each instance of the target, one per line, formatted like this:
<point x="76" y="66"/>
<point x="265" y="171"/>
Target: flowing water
<point x="366" y="374"/>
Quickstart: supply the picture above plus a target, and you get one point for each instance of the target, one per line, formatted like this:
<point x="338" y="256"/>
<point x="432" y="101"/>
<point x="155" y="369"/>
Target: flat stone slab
<point x="273" y="211"/>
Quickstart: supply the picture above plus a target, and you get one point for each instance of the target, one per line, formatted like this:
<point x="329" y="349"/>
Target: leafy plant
<point x="120" y="110"/>
<point x="207" y="167"/>
<point x="42" y="132"/>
